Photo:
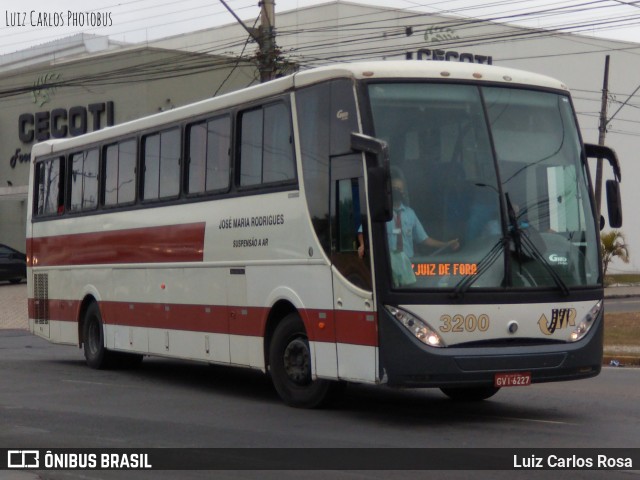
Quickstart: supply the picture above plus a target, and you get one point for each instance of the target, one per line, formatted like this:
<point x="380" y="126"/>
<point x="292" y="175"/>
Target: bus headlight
<point x="419" y="328"/>
<point x="586" y="323"/>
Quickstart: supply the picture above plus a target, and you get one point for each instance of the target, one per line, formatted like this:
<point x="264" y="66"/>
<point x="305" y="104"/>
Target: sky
<point x="31" y="22"/>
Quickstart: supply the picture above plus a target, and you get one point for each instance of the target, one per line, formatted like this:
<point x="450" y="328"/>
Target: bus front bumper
<point x="406" y="362"/>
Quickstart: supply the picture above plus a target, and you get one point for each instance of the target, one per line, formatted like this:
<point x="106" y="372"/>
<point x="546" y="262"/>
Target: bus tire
<point x="470" y="394"/>
<point x="290" y="366"/>
<point x="95" y="353"/>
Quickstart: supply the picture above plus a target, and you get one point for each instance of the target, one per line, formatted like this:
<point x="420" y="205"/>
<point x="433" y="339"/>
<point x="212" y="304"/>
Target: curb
<point x="622" y="291"/>
<point x="623" y="361"/>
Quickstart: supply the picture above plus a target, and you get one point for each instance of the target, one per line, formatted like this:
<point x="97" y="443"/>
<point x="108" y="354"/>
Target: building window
<point x="84" y="180"/>
<point x="209" y="149"/>
<point x="162" y="165"/>
<point x="120" y="173"/>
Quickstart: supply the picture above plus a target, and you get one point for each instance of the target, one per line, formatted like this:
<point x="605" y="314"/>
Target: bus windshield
<point x="489" y="190"/>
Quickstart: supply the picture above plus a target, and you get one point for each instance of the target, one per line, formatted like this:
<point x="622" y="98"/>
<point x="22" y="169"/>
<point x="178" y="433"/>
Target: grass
<point x="622" y="329"/>
<point x="624" y="278"/>
<point x="622" y="339"/>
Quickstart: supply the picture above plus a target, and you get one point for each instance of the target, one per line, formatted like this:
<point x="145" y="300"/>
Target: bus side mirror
<point x="614" y="205"/>
<point x="600" y="151"/>
<point x="378" y="175"/>
<point x="379" y="187"/>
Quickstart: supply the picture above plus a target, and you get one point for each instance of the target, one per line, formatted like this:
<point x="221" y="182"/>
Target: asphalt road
<point x="622" y="305"/>
<point x="50" y="399"/>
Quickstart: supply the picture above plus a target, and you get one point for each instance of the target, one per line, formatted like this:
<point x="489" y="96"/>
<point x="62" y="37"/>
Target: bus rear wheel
<point x="290" y="366"/>
<point x="470" y="394"/>
<point x="95" y="353"/>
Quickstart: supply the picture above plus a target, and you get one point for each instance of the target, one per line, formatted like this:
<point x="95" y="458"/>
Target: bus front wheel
<point x="290" y="366"/>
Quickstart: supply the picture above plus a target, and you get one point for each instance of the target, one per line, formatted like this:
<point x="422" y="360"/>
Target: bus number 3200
<point x="460" y="323"/>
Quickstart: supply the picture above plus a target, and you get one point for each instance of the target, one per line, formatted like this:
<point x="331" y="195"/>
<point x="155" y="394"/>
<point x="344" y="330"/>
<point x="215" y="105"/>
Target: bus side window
<point x="161" y="165"/>
<point x="76" y="161"/>
<point x="209" y="148"/>
<point x="278" y="163"/>
<point x="324" y="111"/>
<point x="251" y="148"/>
<point x="266" y="147"/>
<point x="349" y="222"/>
<point x="218" y="154"/>
<point x="40" y="201"/>
<point x="120" y="173"/>
<point x="196" y="158"/>
<point x="83" y="180"/>
<point x="50" y="187"/>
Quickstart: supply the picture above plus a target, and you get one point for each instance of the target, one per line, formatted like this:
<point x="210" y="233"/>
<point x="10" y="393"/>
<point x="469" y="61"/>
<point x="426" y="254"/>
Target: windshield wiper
<point x="521" y="239"/>
<point x="483" y="265"/>
<point x="523" y="245"/>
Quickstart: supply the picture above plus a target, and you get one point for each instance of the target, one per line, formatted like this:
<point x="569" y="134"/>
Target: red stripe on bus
<point x="320" y="324"/>
<point x="63" y="310"/>
<point x="171" y="243"/>
<point x="194" y="318"/>
<point x="358" y="328"/>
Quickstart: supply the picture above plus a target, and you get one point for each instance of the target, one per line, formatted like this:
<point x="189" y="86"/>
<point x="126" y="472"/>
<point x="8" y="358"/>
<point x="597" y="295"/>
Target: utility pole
<point x="602" y="128"/>
<point x="265" y="37"/>
<point x="267" y="57"/>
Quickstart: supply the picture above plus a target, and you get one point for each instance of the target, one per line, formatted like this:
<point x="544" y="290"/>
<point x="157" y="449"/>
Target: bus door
<point x="355" y="324"/>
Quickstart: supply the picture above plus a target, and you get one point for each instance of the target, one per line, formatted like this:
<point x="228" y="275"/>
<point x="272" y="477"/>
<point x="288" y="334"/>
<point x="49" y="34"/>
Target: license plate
<point x="512" y="379"/>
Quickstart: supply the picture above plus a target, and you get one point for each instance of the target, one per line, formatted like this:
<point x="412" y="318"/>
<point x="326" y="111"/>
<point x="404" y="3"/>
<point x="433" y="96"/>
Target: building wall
<point x="129" y="83"/>
<point x="12" y="220"/>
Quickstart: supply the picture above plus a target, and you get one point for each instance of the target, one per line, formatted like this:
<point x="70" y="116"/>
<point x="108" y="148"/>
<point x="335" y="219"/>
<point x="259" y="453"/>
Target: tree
<point x="613" y="245"/>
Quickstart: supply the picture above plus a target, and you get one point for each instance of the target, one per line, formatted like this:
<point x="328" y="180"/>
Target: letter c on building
<point x="25" y="133"/>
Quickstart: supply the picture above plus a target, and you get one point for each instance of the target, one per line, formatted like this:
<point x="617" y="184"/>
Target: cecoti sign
<point x="60" y="122"/>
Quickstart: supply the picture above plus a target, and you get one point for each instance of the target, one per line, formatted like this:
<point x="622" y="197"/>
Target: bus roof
<point x="406" y="69"/>
<point x="416" y="69"/>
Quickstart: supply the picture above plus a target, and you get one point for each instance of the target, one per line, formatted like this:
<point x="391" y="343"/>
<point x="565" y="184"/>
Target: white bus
<point x="260" y="229"/>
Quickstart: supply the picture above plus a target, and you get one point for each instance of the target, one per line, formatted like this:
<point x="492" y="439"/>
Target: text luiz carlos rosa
<point x="571" y="462"/>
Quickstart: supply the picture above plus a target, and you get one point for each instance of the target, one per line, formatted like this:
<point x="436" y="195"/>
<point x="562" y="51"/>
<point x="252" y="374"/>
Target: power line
<point x="511" y="34"/>
<point x="237" y="63"/>
<point x="305" y="51"/>
<point x="452" y="22"/>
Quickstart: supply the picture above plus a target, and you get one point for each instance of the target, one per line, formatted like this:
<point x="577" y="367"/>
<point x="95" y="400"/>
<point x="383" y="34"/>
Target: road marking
<point x="103" y="384"/>
<point x="530" y="420"/>
<point x="552" y="422"/>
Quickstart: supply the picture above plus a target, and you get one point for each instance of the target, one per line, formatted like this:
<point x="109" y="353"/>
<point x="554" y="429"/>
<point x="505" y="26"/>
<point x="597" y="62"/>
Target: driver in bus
<point x="403" y="231"/>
